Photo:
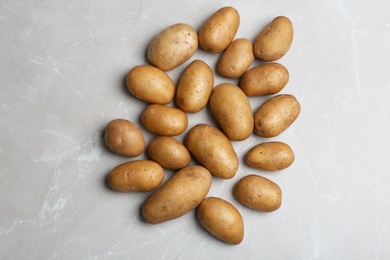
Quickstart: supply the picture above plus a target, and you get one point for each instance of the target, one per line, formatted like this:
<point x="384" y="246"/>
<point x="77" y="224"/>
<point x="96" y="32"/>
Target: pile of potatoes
<point x="209" y="145"/>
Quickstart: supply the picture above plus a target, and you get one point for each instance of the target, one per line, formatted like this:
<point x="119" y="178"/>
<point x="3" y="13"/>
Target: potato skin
<point x="265" y="79"/>
<point x="213" y="150"/>
<point x="270" y="156"/>
<point x="123" y="137"/>
<point x="169" y="153"/>
<point x="222" y="220"/>
<point x="258" y="193"/>
<point x="177" y="196"/>
<point x="276" y="115"/>
<point x="164" y="120"/>
<point x="150" y="84"/>
<point x="140" y="175"/>
<point x="275" y="40"/>
<point x="173" y="46"/>
<point x="219" y="30"/>
<point x="194" y="87"/>
<point x="232" y="109"/>
<point x="236" y="59"/>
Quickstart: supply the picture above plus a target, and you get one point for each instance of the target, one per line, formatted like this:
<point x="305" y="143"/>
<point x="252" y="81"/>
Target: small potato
<point x="236" y="59"/>
<point x="266" y="79"/>
<point x="222" y="220"/>
<point x="232" y="109"/>
<point x="276" y="115"/>
<point x="219" y="30"/>
<point x="177" y="196"/>
<point x="275" y="40"/>
<point x="258" y="193"/>
<point x="213" y="150"/>
<point x="270" y="156"/>
<point x="173" y="46"/>
<point x="140" y="175"/>
<point x="150" y="84"/>
<point x="164" y="120"/>
<point x="169" y="153"/>
<point x="195" y="86"/>
<point x="124" y="138"/>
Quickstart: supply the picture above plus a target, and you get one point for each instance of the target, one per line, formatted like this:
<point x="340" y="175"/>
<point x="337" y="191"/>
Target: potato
<point x="194" y="87"/>
<point x="164" y="120"/>
<point x="222" y="220"/>
<point x="275" y="40"/>
<point x="177" y="196"/>
<point x="236" y="59"/>
<point x="150" y="84"/>
<point x="232" y="109"/>
<point x="124" y="138"/>
<point x="276" y="115"/>
<point x="219" y="30"/>
<point x="140" y="175"/>
<point x="169" y="153"/>
<point x="173" y="46"/>
<point x="213" y="150"/>
<point x="270" y="156"/>
<point x="265" y="79"/>
<point x="258" y="193"/>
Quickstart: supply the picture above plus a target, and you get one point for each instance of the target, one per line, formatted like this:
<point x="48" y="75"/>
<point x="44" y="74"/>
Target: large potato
<point x="177" y="196"/>
<point x="213" y="150"/>
<point x="276" y="115"/>
<point x="173" y="46"/>
<point x="232" y="109"/>
<point x="222" y="220"/>
<point x="219" y="30"/>
<point x="275" y="40"/>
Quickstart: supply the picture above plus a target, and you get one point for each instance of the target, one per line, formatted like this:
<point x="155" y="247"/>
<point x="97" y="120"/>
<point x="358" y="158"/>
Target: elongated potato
<point x="177" y="196"/>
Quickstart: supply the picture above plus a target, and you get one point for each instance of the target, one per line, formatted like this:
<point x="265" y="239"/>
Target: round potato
<point x="140" y="175"/>
<point x="236" y="59"/>
<point x="164" y="120"/>
<point x="150" y="84"/>
<point x="195" y="86"/>
<point x="219" y="30"/>
<point x="124" y="138"/>
<point x="177" y="196"/>
<point x="276" y="115"/>
<point x="232" y="109"/>
<point x="173" y="46"/>
<point x="275" y="40"/>
<point x="213" y="150"/>
<point x="265" y="79"/>
<point x="270" y="156"/>
<point x="258" y="193"/>
<point x="222" y="220"/>
<point x="169" y="153"/>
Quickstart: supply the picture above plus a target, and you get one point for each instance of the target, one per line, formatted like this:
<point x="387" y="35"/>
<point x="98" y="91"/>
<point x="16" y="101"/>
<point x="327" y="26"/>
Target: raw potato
<point x="276" y="115"/>
<point x="222" y="220"/>
<point x="275" y="40"/>
<point x="232" y="109"/>
<point x="258" y="193"/>
<point x="219" y="30"/>
<point x="169" y="153"/>
<point x="164" y="120"/>
<point x="173" y="46"/>
<point x="150" y="84"/>
<point x="236" y="59"/>
<point x="195" y="86"/>
<point x="265" y="79"/>
<point x="270" y="156"/>
<point x="140" y="175"/>
<point x="124" y="138"/>
<point x="213" y="150"/>
<point x="177" y="196"/>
